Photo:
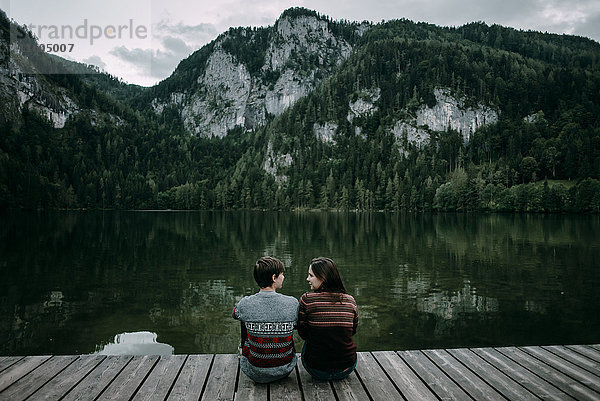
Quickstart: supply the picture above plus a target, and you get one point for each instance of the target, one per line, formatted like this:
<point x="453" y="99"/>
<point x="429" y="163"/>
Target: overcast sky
<point x="142" y="41"/>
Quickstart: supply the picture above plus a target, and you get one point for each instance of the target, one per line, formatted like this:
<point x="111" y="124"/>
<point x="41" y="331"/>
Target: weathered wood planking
<point x="465" y="378"/>
<point x="287" y="389"/>
<point x="586" y="363"/>
<point x="99" y="379"/>
<point x="8" y="361"/>
<point x="507" y="373"/>
<point x="20" y="369"/>
<point x="434" y="377"/>
<point x="158" y="384"/>
<point x="37" y="378"/>
<point x="590" y="352"/>
<point x="350" y="389"/>
<point x="523" y="376"/>
<point x="63" y="382"/>
<point x="580" y="374"/>
<point x="314" y="389"/>
<point x="407" y="382"/>
<point x="222" y="378"/>
<point x="192" y="378"/>
<point x="498" y="379"/>
<point x="247" y="390"/>
<point x="551" y="375"/>
<point x="374" y="378"/>
<point x="128" y="381"/>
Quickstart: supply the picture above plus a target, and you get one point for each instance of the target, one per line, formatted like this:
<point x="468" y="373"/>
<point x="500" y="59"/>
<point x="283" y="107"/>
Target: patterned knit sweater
<point x="327" y="321"/>
<point x="268" y="320"/>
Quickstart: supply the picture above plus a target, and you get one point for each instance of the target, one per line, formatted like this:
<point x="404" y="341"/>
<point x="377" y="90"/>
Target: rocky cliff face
<point x="449" y="112"/>
<point x="19" y="90"/>
<point x="302" y="50"/>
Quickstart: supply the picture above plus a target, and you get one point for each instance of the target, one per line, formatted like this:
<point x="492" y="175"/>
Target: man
<point x="268" y="321"/>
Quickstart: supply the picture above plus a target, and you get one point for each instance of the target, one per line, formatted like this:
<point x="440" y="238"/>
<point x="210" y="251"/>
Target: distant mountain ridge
<point x="315" y="113"/>
<point x="248" y="74"/>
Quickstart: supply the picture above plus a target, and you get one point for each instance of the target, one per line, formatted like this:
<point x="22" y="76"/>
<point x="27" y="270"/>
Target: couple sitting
<point x="326" y="319"/>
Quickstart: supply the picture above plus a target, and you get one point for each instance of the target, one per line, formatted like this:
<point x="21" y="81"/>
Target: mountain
<point x="315" y="113"/>
<point x="249" y="74"/>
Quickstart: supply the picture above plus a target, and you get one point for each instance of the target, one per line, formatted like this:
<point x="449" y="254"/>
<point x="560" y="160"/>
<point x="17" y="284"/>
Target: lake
<point x="166" y="282"/>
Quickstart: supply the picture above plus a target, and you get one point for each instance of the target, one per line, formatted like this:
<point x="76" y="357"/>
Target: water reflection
<point x="68" y="280"/>
<point x="449" y="306"/>
<point x="139" y="343"/>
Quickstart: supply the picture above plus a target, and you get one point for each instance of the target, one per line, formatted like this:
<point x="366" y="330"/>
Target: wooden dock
<point x="511" y="373"/>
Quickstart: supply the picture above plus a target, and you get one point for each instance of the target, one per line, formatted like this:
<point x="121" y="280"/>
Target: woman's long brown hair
<point x="326" y="270"/>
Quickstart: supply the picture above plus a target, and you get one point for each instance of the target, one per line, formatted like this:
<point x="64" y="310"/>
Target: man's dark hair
<point x="264" y="269"/>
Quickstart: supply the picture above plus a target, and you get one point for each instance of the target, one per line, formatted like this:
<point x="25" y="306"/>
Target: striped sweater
<point x="327" y="321"/>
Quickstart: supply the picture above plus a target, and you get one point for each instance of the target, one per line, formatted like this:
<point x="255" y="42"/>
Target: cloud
<point x="138" y="57"/>
<point x="590" y="27"/>
<point x="180" y="29"/>
<point x="578" y="17"/>
<point x="172" y="43"/>
<point x="166" y="59"/>
<point x="176" y="46"/>
<point x="193" y="36"/>
<point x="158" y="63"/>
<point x="95" y="60"/>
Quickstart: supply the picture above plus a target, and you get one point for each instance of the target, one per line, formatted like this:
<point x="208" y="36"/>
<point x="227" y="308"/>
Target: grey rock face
<point x="448" y="113"/>
<point x="228" y="96"/>
<point x="222" y="103"/>
<point x="275" y="164"/>
<point x="324" y="132"/>
<point x="364" y="105"/>
<point x="21" y="90"/>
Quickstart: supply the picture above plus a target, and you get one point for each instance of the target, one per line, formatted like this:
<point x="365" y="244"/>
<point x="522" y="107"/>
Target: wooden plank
<point x="350" y="389"/>
<point x="8" y="361"/>
<point x="313" y="389"/>
<point x="247" y="390"/>
<point x="20" y="369"/>
<point x="526" y="378"/>
<point x="435" y="378"/>
<point x="191" y="379"/>
<point x="37" y="378"/>
<point x="590" y="352"/>
<point x="63" y="382"/>
<point x="375" y="380"/>
<point x="558" y="379"/>
<point x="583" y="376"/>
<point x="98" y="379"/>
<point x="159" y="382"/>
<point x="495" y="377"/>
<point x="221" y="379"/>
<point x="130" y="378"/>
<point x="575" y="358"/>
<point x="467" y="380"/>
<point x="409" y="384"/>
<point x="286" y="389"/>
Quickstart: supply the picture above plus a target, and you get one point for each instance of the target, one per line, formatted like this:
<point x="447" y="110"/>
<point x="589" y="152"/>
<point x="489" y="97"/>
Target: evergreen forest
<point x="542" y="155"/>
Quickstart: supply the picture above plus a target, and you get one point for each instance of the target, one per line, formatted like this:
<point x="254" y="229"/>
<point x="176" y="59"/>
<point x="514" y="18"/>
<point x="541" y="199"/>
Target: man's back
<point x="269" y="319"/>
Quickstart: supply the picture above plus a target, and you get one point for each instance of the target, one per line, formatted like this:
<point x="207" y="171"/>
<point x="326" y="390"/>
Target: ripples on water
<point x="83" y="282"/>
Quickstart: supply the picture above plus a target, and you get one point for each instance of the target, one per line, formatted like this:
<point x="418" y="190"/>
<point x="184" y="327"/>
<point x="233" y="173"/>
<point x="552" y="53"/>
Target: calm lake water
<point x="166" y="282"/>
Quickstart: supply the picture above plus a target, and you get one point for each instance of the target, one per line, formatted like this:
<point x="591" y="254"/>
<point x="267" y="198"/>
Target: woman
<point x="327" y="320"/>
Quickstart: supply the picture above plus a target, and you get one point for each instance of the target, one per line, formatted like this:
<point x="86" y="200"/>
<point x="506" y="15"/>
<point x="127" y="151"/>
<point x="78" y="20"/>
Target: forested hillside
<point x="547" y="91"/>
<point x="416" y="117"/>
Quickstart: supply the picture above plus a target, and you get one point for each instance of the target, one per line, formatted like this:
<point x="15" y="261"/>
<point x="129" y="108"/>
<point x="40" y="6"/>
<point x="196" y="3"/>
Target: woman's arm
<point x="355" y="320"/>
<point x="303" y="328"/>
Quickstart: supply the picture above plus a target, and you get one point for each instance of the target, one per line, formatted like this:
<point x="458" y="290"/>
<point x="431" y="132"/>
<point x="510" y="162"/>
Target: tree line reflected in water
<point x="70" y="282"/>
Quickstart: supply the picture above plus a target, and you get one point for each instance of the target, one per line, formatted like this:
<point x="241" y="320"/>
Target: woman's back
<point x="327" y="321"/>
